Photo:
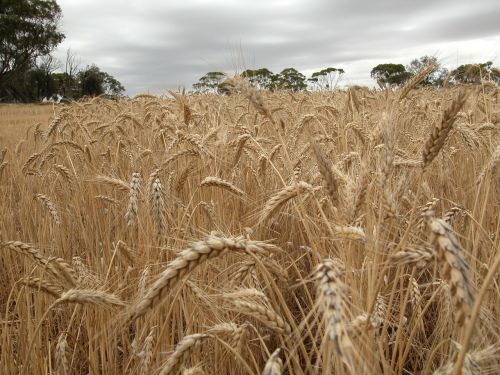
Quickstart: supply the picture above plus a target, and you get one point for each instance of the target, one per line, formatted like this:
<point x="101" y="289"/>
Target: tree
<point x="326" y="79"/>
<point x="210" y="82"/>
<point x="261" y="78"/>
<point x="28" y="29"/>
<point x="495" y="75"/>
<point x="474" y="73"/>
<point x="37" y="82"/>
<point x="390" y="74"/>
<point x="112" y="86"/>
<point x="94" y="82"/>
<point x="291" y="79"/>
<point x="48" y="65"/>
<point x="71" y="66"/>
<point x="436" y="78"/>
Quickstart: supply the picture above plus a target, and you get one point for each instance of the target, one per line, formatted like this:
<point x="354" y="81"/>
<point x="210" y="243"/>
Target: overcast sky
<point x="152" y="45"/>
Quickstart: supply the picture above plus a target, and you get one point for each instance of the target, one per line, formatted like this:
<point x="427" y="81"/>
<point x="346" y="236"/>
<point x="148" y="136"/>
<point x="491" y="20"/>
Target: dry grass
<point x="348" y="232"/>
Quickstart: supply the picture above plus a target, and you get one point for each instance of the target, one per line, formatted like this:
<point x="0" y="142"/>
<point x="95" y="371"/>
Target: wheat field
<point x="348" y="232"/>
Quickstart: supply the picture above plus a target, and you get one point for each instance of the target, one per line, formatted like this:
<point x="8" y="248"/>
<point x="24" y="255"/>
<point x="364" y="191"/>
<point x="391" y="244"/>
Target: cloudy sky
<point x="152" y="45"/>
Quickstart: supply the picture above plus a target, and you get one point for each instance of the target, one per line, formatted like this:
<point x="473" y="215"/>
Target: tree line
<point x="386" y="75"/>
<point x="263" y="78"/>
<point x="29" y="32"/>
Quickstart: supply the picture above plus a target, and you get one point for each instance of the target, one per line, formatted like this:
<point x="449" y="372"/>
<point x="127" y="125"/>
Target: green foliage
<point x="390" y="74"/>
<point x="94" y="82"/>
<point x="495" y="75"/>
<point x="291" y="79"/>
<point x="436" y="78"/>
<point x="326" y="79"/>
<point x="261" y="78"/>
<point x="28" y="29"/>
<point x="210" y="83"/>
<point x="473" y="73"/>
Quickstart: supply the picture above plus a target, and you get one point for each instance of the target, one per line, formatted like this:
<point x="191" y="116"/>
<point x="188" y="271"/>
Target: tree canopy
<point x="474" y="73"/>
<point x="28" y="29"/>
<point x="291" y="79"/>
<point x="390" y="74"/>
<point x="29" y="32"/>
<point x="94" y="82"/>
<point x="210" y="83"/>
<point x="261" y="78"/>
<point x="436" y="78"/>
<point x="326" y="79"/>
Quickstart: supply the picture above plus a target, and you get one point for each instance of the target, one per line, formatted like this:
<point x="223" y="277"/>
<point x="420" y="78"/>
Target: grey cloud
<point x="158" y="44"/>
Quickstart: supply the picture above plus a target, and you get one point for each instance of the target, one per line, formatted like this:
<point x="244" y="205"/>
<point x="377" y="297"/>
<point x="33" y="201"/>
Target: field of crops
<point x="347" y="232"/>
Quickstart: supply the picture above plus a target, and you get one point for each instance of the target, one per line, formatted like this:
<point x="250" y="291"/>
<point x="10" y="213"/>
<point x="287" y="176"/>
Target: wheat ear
<point x="416" y="79"/>
<point x="223" y="184"/>
<point x="330" y="295"/>
<point x="89" y="296"/>
<point x="182" y="352"/>
<point x="440" y="132"/>
<point x="132" y="209"/>
<point x="47" y="203"/>
<point x="325" y="169"/>
<point x="157" y="204"/>
<point x="54" y="290"/>
<point x="274" y="365"/>
<point x="454" y="268"/>
<point x="283" y="196"/>
<point x="62" y="355"/>
<point x="146" y="354"/>
<point x="265" y="315"/>
<point x="190" y="258"/>
<point x="114" y="182"/>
